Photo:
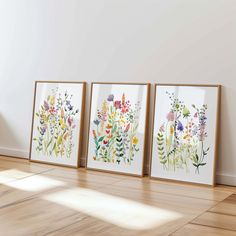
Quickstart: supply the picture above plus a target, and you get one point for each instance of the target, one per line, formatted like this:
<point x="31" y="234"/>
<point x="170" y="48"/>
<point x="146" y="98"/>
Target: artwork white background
<point x="189" y="95"/>
<point x="43" y="90"/>
<point x="134" y="93"/>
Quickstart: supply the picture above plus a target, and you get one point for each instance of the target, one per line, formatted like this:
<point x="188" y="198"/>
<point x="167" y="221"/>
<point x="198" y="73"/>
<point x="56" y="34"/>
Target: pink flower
<point x="70" y="121"/>
<point x="117" y="104"/>
<point x="46" y="106"/>
<point x="170" y="116"/>
<point x="127" y="128"/>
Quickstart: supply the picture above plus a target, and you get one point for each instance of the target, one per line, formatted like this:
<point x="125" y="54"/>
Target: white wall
<point x="174" y="41"/>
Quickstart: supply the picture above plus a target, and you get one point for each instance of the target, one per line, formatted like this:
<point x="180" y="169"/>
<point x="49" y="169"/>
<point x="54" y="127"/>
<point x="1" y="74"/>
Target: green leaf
<point x="197" y="157"/>
<point x="202" y="164"/>
<point x="101" y="139"/>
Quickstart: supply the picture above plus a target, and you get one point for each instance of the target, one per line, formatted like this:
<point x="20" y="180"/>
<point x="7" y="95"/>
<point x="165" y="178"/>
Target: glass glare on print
<point x="117" y="127"/>
<point x="184" y="133"/>
<point x="56" y="125"/>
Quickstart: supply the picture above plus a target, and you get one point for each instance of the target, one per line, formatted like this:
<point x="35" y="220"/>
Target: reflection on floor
<point x="37" y="199"/>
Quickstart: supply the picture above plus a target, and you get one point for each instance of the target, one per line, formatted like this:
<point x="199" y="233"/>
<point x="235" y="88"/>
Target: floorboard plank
<point x="216" y="220"/>
<point x="198" y="230"/>
<point x="38" y="199"/>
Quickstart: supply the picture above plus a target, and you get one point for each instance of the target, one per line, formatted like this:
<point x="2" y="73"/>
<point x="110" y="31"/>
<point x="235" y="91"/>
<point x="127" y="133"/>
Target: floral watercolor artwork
<point x="56" y="126"/>
<point x="180" y="139"/>
<point x="184" y="135"/>
<point x="117" y="127"/>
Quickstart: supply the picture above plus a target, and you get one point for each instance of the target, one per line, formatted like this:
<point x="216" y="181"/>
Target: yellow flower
<point x="135" y="140"/>
<point x="62" y="123"/>
<point x="52" y="100"/>
<point x="171" y="129"/>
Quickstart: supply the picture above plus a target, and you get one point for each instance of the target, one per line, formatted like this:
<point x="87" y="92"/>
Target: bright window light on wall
<point x="115" y="210"/>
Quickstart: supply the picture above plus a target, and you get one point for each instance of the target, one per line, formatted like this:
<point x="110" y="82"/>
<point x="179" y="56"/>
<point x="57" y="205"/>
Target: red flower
<point x="117" y="104"/>
<point x="105" y="142"/>
<point x="124" y="109"/>
<point x="52" y="110"/>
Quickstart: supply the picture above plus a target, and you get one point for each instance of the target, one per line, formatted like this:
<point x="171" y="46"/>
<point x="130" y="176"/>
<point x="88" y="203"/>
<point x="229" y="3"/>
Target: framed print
<point x="118" y="123"/>
<point x="57" y="122"/>
<point x="185" y="132"/>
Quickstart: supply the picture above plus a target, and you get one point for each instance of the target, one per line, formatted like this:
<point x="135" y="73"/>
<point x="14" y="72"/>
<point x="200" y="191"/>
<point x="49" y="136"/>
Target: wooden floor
<point x="37" y="199"/>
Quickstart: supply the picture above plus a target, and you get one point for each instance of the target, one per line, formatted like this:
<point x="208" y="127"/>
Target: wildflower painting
<point x="117" y="127"/>
<point x="184" y="135"/>
<point x="56" y="124"/>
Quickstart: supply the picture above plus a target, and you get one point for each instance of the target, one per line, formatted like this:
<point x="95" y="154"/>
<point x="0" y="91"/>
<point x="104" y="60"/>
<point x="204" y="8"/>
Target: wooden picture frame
<point x="202" y="133"/>
<point x="145" y="111"/>
<point x="72" y="119"/>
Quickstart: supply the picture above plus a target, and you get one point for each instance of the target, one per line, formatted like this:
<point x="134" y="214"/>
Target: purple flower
<point x="46" y="106"/>
<point x="110" y="98"/>
<point x="43" y="129"/>
<point x="202" y="120"/>
<point x="69" y="106"/>
<point x="180" y="126"/>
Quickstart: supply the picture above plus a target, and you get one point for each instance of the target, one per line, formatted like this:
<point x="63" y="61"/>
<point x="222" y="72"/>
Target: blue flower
<point x="96" y="122"/>
<point x="180" y="126"/>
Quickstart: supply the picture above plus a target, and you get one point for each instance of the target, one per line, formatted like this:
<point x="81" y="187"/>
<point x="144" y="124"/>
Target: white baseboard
<point x="14" y="152"/>
<point x="226" y="179"/>
<point x="221" y="178"/>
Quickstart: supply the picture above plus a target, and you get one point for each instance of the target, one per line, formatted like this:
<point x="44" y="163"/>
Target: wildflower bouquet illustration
<point x="56" y="120"/>
<point x="180" y="138"/>
<point x="115" y="131"/>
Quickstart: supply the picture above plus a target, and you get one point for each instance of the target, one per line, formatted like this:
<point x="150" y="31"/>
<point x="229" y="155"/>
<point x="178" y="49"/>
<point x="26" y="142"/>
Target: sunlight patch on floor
<point x="33" y="183"/>
<point x="115" y="210"/>
<point x="12" y="174"/>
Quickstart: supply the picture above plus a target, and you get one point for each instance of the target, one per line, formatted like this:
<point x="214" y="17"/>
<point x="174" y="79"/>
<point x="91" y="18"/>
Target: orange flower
<point x="66" y="135"/>
<point x="94" y="133"/>
<point x="62" y="113"/>
<point x="109" y="126"/>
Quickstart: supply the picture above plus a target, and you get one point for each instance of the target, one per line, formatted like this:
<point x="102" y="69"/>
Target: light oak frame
<point x="145" y="134"/>
<point x="217" y="134"/>
<point x="82" y="109"/>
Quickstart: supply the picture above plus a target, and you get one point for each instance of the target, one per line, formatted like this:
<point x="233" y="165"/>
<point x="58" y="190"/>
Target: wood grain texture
<point x="41" y="199"/>
<point x="216" y="220"/>
<point x="197" y="230"/>
<point x="227" y="207"/>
